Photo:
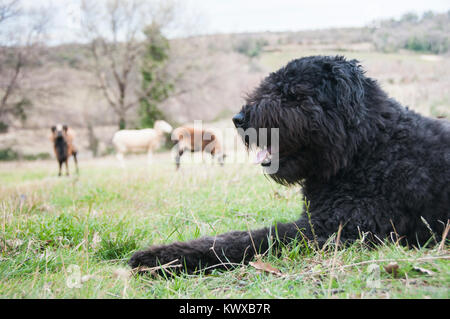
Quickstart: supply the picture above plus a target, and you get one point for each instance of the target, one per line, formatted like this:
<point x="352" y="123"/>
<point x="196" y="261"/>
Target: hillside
<point x="217" y="71"/>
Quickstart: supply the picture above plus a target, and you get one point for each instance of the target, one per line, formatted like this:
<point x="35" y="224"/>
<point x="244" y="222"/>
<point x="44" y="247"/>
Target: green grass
<point x="71" y="237"/>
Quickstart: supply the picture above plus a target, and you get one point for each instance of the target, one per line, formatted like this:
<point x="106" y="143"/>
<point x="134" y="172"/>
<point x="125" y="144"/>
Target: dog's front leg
<point x="223" y="251"/>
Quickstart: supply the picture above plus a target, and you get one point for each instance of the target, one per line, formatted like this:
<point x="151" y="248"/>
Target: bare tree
<point x="114" y="30"/>
<point x="8" y="9"/>
<point x="20" y="37"/>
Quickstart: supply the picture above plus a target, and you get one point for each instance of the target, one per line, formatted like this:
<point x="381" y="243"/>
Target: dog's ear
<point x="65" y="128"/>
<point x="53" y="129"/>
<point x="350" y="80"/>
<point x="347" y="80"/>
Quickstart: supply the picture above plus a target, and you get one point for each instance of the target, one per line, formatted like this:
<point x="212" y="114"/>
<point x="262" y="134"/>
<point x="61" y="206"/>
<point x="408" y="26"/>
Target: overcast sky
<point x="291" y="15"/>
<point x="225" y="16"/>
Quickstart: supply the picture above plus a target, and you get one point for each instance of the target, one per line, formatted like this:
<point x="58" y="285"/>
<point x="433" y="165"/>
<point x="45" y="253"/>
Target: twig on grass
<point x="217" y="256"/>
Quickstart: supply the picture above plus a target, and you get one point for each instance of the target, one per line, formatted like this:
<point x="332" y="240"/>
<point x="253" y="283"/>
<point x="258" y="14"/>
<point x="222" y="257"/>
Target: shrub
<point x="427" y="34"/>
<point x="8" y="154"/>
<point x="38" y="156"/>
<point x="250" y="47"/>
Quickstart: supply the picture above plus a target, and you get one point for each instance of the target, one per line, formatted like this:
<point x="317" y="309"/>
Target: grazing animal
<point x="365" y="163"/>
<point x="63" y="143"/>
<point x="146" y="140"/>
<point x="196" y="140"/>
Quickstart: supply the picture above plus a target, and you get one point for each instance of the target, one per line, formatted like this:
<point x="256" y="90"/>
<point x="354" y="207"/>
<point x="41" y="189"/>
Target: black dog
<point x="364" y="162"/>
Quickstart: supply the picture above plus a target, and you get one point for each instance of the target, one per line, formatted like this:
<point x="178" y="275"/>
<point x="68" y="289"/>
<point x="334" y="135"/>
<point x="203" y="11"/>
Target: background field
<point x="71" y="237"/>
<point x="419" y="81"/>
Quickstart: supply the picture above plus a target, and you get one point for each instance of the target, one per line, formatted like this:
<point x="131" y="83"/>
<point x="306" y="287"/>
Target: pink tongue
<point x="261" y="156"/>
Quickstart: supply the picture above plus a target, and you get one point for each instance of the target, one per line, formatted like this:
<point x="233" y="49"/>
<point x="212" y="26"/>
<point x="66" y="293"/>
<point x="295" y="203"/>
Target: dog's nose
<point x="238" y="120"/>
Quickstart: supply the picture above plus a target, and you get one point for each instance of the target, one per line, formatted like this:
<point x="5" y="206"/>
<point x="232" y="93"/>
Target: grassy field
<point x="71" y="237"/>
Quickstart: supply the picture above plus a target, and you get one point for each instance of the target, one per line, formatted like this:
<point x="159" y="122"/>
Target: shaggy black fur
<point x="363" y="160"/>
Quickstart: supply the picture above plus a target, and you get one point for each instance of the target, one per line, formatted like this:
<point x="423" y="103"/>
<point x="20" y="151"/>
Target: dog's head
<point x="319" y="106"/>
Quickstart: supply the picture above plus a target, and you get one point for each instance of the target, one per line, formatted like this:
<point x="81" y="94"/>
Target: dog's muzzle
<point x="239" y="120"/>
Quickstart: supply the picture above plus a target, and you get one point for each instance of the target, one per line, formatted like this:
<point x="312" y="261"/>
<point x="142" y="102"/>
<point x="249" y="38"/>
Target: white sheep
<point x="148" y="140"/>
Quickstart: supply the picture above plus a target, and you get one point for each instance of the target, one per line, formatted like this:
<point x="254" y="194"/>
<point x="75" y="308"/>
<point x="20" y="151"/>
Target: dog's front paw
<point x="154" y="260"/>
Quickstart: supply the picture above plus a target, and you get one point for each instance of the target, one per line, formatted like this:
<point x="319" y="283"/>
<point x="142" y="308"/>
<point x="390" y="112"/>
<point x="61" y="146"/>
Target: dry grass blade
<point x="338" y="238"/>
<point x="429" y="228"/>
<point x="265" y="267"/>
<point x="424" y="270"/>
<point x="154" y="269"/>
<point x="444" y="236"/>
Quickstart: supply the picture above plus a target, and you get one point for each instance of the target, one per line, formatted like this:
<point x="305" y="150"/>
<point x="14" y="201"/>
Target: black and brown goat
<point x="62" y="138"/>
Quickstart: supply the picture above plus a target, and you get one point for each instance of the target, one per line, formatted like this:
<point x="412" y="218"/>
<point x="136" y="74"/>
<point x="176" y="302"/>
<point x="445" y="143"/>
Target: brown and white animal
<point x="63" y="143"/>
<point x="146" y="140"/>
<point x="197" y="140"/>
